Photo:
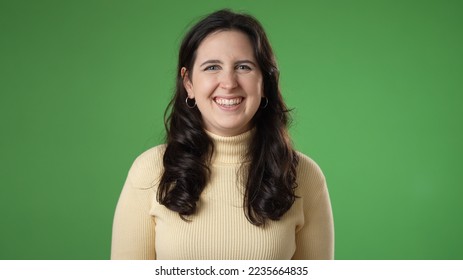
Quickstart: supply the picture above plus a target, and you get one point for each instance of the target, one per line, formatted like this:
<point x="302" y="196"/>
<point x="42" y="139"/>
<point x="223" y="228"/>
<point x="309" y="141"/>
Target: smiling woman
<point x="227" y="184"/>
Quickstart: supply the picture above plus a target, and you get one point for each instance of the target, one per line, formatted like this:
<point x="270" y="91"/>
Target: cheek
<point x="256" y="81"/>
<point x="254" y="87"/>
<point x="204" y="87"/>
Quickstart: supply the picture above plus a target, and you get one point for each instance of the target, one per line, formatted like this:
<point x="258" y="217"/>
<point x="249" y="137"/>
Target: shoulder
<point x="310" y="178"/>
<point x="153" y="154"/>
<point x="147" y="168"/>
<point x="308" y="166"/>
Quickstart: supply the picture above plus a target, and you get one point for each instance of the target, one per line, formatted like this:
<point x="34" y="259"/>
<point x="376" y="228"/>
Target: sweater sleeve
<point x="133" y="235"/>
<point x="315" y="238"/>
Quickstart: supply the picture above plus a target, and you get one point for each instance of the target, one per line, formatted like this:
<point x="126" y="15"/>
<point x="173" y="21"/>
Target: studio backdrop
<point x="375" y="87"/>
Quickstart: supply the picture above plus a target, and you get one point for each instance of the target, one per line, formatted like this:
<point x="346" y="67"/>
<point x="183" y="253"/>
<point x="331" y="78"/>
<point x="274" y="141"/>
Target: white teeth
<point x="228" y="102"/>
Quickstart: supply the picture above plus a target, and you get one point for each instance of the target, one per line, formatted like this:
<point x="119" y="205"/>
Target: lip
<point x="229" y="103"/>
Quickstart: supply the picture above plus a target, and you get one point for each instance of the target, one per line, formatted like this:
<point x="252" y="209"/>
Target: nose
<point x="228" y="80"/>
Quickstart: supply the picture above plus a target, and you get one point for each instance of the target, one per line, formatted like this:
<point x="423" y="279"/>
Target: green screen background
<point x="376" y="88"/>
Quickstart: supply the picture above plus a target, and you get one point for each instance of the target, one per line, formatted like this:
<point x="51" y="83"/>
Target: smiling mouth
<point x="228" y="102"/>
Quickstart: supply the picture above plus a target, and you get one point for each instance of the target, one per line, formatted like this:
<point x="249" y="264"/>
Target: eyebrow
<point x="216" y="61"/>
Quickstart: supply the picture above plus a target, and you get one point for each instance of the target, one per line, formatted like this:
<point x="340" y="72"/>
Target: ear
<point x="187" y="82"/>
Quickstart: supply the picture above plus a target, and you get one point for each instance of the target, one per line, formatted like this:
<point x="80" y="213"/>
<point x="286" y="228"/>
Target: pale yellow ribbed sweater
<point x="144" y="229"/>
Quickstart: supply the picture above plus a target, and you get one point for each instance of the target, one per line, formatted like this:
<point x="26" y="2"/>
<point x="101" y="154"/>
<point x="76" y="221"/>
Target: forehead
<point x="226" y="44"/>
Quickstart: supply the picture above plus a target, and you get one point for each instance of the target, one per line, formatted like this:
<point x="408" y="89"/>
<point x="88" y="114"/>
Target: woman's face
<point x="226" y="82"/>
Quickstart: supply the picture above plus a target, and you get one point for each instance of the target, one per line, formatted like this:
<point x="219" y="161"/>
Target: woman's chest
<point x="220" y="229"/>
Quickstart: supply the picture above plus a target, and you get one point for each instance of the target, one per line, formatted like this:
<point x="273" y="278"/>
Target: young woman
<point x="227" y="184"/>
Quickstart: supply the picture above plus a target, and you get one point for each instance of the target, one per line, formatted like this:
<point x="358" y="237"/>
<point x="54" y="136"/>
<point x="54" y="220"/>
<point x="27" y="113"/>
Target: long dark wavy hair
<point x="271" y="182"/>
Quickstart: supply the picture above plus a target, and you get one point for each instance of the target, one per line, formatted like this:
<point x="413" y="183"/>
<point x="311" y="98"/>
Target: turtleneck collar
<point x="230" y="149"/>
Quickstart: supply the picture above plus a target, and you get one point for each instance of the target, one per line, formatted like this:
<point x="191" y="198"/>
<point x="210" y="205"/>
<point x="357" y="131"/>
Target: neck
<point x="230" y="149"/>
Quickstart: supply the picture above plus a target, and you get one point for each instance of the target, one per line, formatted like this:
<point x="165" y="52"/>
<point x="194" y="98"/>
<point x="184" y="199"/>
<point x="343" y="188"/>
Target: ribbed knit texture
<point x="144" y="229"/>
